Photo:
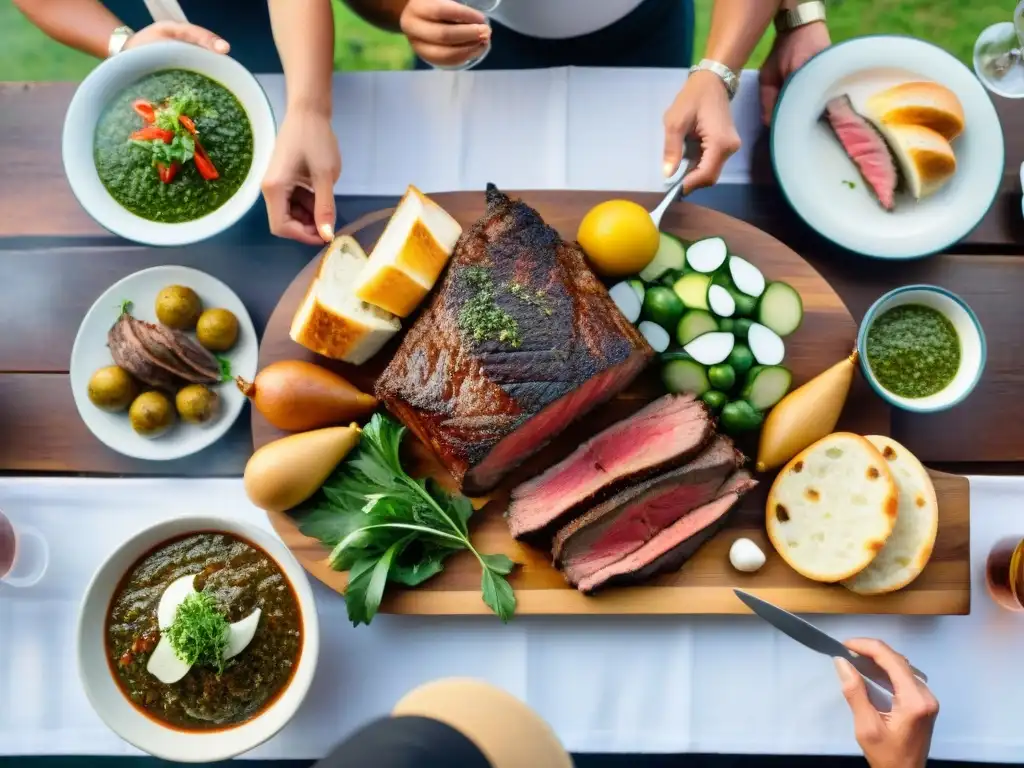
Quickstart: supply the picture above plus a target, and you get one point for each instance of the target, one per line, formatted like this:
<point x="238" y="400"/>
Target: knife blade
<point x="811" y="637"/>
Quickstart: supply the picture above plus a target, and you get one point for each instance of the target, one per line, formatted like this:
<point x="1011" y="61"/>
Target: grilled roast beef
<point x="672" y="547"/>
<point x="664" y="434"/>
<point x="630" y="519"/>
<point x="865" y="146"/>
<point x="161" y="357"/>
<point x="519" y="340"/>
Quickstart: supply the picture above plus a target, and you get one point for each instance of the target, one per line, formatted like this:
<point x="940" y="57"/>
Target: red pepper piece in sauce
<point x="190" y="126"/>
<point x="144" y="110"/>
<point x="152" y="133"/>
<point x="168" y="172"/>
<point x="204" y="164"/>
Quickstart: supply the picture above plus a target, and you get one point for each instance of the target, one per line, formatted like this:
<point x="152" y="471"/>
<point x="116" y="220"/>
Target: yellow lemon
<point x="618" y="237"/>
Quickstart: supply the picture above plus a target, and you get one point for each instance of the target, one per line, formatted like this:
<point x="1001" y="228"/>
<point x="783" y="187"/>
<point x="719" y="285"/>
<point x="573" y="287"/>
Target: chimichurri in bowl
<point x="173" y="146"/>
<point x="198" y="638"/>
<point x="167" y="144"/>
<point x="921" y="348"/>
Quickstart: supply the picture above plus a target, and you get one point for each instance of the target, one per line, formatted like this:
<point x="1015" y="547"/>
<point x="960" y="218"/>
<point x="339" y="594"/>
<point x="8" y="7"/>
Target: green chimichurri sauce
<point x="480" y="317"/>
<point x="913" y="350"/>
<point x="128" y="171"/>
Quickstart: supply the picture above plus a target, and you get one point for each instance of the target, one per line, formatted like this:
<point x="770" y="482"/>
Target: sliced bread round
<point x="832" y="508"/>
<point x="909" y="548"/>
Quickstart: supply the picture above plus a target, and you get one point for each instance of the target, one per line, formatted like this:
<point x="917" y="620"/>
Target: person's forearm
<point x="304" y="34"/>
<point x="82" y="24"/>
<point x="736" y="28"/>
<point x="382" y="13"/>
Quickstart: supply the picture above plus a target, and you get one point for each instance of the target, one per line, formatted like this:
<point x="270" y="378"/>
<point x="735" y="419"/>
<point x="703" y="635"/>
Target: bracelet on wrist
<point x="729" y="78"/>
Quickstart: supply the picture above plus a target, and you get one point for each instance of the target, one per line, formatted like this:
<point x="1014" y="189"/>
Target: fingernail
<point x="668" y="169"/>
<point x="845" y="669"/>
<point x="327" y="232"/>
<point x="221" y="46"/>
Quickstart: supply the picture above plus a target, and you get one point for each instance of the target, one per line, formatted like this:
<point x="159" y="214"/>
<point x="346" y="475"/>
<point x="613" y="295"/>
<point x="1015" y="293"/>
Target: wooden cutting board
<point x="705" y="583"/>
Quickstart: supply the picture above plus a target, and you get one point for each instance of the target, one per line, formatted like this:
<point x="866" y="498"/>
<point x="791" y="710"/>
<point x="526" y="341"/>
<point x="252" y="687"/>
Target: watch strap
<point x="728" y="77"/>
<point x="804" y="13"/>
<point x="117" y="40"/>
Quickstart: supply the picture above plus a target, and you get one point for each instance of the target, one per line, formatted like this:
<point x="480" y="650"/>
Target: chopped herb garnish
<point x="199" y="632"/>
<point x="537" y="299"/>
<point x="124" y="308"/>
<point x="481" y="317"/>
<point x="850" y="184"/>
<point x="225" y="368"/>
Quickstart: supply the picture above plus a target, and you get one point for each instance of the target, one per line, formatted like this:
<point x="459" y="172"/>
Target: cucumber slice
<point x="745" y="305"/>
<point x="656" y="336"/>
<point x="707" y="255"/>
<point x="692" y="288"/>
<point x="766" y="345"/>
<point x="711" y="348"/>
<point x="675" y="354"/>
<point x="781" y="308"/>
<point x="626" y="300"/>
<point x="721" y="301"/>
<point x="671" y="255"/>
<point x="638" y="287"/>
<point x="746" y="276"/>
<point x="766" y="386"/>
<point x="695" y="323"/>
<point x="681" y="376"/>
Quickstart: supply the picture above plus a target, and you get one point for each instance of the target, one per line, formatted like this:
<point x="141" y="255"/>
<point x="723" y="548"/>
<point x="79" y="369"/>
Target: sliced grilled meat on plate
<point x="519" y="341"/>
<point x="668" y="550"/>
<point x="665" y="434"/>
<point x="866" y="147"/>
<point x="630" y="519"/>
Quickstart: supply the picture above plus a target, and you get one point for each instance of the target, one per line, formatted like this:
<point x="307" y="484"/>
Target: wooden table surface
<point x="54" y="262"/>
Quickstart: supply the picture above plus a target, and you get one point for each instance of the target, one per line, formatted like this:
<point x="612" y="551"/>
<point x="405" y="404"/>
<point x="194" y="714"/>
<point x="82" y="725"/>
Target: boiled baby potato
<point x="178" y="306"/>
<point x="196" y="404"/>
<point x="112" y="389"/>
<point x="151" y="414"/>
<point x="217" y="330"/>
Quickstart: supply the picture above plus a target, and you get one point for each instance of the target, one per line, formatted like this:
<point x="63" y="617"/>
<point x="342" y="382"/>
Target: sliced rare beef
<point x="665" y="434"/>
<point x="519" y="340"/>
<point x="668" y="550"/>
<point x="159" y="356"/>
<point x="131" y="354"/>
<point x="627" y="521"/>
<point x="865" y="146"/>
<point x="199" y="364"/>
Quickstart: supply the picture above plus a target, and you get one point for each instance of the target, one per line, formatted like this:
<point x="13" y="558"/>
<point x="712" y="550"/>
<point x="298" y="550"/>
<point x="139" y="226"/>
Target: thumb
<point x="678" y="122"/>
<point x="323" y="206"/>
<point x="204" y="38"/>
<point x="855" y="692"/>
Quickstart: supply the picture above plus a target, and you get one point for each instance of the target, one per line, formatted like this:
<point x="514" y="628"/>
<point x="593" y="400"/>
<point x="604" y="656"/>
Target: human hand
<point x="701" y="110"/>
<point x="790" y="52"/>
<point x="177" y="30"/>
<point x="900" y="738"/>
<point x="444" y="32"/>
<point x="299" y="185"/>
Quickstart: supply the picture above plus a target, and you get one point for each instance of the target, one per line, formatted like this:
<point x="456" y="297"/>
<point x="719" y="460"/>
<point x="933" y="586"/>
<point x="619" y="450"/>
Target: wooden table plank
<point x="41" y="203"/>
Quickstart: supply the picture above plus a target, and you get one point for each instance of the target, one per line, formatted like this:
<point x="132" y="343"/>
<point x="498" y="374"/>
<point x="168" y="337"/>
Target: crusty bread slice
<point x="909" y="548"/>
<point x="832" y="508"/>
<point x="334" y="323"/>
<point x="410" y="255"/>
<point x="921" y="103"/>
<point x="925" y="158"/>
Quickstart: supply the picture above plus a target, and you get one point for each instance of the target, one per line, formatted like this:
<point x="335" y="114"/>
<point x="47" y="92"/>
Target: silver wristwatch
<point x="804" y="13"/>
<point x="117" y="40"/>
<point x="729" y="78"/>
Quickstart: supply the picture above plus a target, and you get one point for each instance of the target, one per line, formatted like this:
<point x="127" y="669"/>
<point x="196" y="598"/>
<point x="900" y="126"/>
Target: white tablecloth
<point x="626" y="684"/>
<point x="566" y="128"/>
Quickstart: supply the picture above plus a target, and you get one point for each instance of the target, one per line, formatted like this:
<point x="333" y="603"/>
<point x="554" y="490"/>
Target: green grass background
<point x="27" y="54"/>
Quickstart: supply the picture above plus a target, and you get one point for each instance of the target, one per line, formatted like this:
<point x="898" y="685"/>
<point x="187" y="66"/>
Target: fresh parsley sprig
<point x="199" y="632"/>
<point x="386" y="526"/>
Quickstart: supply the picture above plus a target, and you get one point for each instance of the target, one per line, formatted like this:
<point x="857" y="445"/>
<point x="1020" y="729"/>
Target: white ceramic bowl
<point x="973" y="350"/>
<point x="822" y="183"/>
<point x="116" y="74"/>
<point x="147" y="734"/>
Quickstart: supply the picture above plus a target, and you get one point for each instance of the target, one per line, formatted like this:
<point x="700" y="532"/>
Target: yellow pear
<point x="805" y="415"/>
<point x="286" y="472"/>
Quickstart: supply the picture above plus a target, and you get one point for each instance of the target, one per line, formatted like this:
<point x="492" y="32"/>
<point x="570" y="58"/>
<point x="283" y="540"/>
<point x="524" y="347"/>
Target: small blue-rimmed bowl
<point x="973" y="350"/>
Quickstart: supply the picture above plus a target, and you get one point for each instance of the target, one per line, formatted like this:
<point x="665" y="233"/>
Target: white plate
<point x="811" y="165"/>
<point x="91" y="353"/>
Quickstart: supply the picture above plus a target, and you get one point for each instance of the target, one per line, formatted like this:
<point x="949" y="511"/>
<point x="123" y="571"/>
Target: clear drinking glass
<point x="998" y="53"/>
<point x="485" y="7"/>
<point x="24" y="554"/>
